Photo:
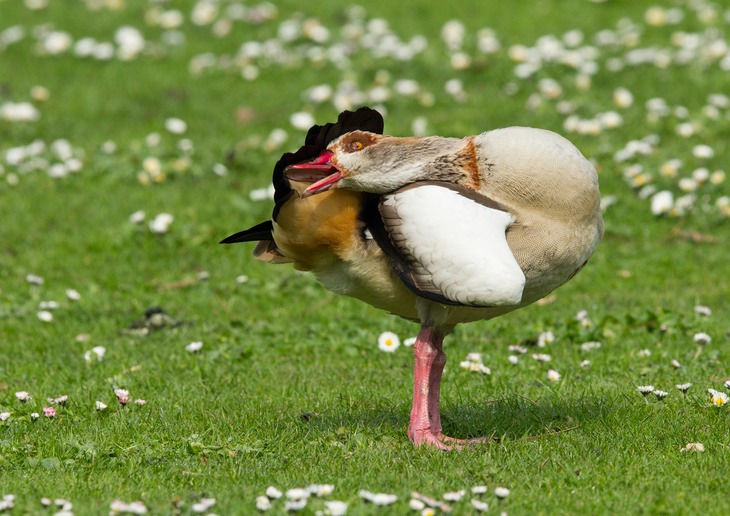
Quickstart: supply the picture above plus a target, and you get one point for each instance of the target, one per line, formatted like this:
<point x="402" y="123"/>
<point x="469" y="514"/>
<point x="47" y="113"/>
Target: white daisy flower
<point x="460" y="61"/>
<point x="410" y="341"/>
<point x="295" y="505"/>
<point x="703" y="310"/>
<point x="703" y="151"/>
<point x="662" y="202"/>
<point x="513" y="359"/>
<point x="261" y="194"/>
<point x="388" y="341"/>
<point x="194" y="347"/>
<point x="479" y="506"/>
<point x="542" y="357"/>
<point x="203" y="505"/>
<point x="57" y="42"/>
<point x="48" y="305"/>
<point x="455" y="88"/>
<point x="481" y="368"/>
<point x="474" y="357"/>
<point x="301" y="120"/>
<point x="220" y="169"/>
<point x="137" y="217"/>
<point x="319" y="94"/>
<point x="645" y="390"/>
<point x="670" y="168"/>
<point x="718" y="398"/>
<point x="72" y="294"/>
<point x="702" y="338"/>
<point x="419" y="126"/>
<point x="687" y="184"/>
<point x="700" y="175"/>
<point x="161" y="223"/>
<point x="416" y="505"/>
<point x="644" y="353"/>
<point x="34" y="279"/>
<point x="97" y="352"/>
<point x="454" y="496"/>
<point x="383" y="499"/>
<point x="501" y="492"/>
<point x="45" y="316"/>
<point x="585" y="364"/>
<point x="130" y="41"/>
<point x="153" y="140"/>
<point x="23" y="396"/>
<point x="4" y="416"/>
<point x="727" y="384"/>
<point x="684" y="387"/>
<point x="250" y="72"/>
<point x="717" y="177"/>
<point x="335" y="508"/>
<point x="100" y="405"/>
<point x="263" y="504"/>
<point x="685" y="130"/>
<point x="590" y="346"/>
<point x="553" y="375"/>
<point x="273" y="492"/>
<point x="545" y="338"/>
<point x="622" y="98"/>
<point x="452" y="34"/>
<point x="660" y="395"/>
<point x="60" y="400"/>
<point x="321" y="489"/>
<point x="479" y="489"/>
<point x="176" y="125"/>
<point x="406" y="87"/>
<point x="297" y="493"/>
<point x="377" y="498"/>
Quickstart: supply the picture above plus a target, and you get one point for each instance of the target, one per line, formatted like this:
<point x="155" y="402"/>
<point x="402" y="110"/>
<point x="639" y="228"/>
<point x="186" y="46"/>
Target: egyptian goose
<point x="435" y="230"/>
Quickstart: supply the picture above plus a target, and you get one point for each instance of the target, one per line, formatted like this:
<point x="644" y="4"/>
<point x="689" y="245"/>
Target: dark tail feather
<point x="258" y="232"/>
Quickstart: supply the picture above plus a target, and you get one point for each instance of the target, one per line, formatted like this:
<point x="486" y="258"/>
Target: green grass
<point x="290" y="388"/>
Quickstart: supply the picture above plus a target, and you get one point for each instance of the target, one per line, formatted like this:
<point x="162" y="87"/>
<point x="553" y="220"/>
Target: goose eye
<point x="356" y="145"/>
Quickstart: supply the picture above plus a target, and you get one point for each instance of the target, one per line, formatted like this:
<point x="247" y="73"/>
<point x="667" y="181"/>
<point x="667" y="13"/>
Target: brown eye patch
<point x="357" y="140"/>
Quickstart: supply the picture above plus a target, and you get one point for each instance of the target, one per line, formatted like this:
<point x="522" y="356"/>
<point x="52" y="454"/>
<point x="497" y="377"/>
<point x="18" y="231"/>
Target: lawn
<point x="184" y="113"/>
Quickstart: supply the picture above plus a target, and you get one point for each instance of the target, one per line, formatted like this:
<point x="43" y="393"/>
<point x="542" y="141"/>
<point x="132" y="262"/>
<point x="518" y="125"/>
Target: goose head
<point x="375" y="163"/>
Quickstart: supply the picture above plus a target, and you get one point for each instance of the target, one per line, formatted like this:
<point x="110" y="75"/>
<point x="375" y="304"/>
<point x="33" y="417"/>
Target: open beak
<point x="320" y="172"/>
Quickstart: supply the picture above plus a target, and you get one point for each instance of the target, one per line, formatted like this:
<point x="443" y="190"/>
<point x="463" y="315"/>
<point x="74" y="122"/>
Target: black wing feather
<point x="257" y="233"/>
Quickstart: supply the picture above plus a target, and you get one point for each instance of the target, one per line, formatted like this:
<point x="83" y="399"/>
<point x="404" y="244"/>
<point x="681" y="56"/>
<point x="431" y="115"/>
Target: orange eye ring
<point x="356" y="145"/>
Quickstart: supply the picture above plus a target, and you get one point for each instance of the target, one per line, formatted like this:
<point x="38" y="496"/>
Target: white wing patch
<point x="455" y="245"/>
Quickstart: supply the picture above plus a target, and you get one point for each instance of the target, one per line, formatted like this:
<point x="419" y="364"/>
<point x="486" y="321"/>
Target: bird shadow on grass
<point x="512" y="418"/>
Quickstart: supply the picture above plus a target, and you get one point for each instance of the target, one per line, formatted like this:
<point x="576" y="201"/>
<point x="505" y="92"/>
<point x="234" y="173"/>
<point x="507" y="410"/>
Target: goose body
<point x="436" y="230"/>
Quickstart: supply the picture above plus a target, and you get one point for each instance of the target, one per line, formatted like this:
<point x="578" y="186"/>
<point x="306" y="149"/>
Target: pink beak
<point x="321" y="173"/>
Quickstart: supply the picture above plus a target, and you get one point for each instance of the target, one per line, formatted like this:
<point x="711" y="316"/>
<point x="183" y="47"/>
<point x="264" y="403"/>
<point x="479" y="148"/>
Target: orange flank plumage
<point x="316" y="231"/>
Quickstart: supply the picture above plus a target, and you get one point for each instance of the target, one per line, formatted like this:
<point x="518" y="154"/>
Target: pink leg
<point x="434" y="387"/>
<point x="426" y="387"/>
<point x="425" y="423"/>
